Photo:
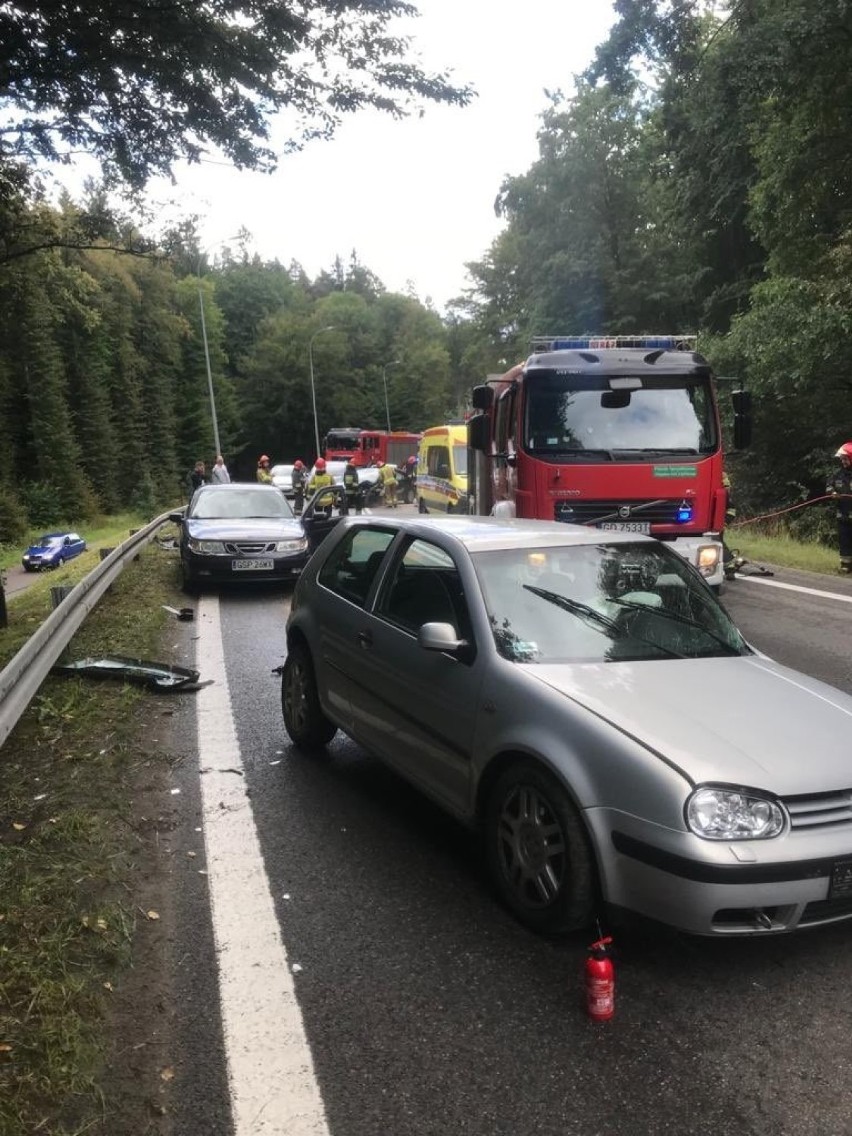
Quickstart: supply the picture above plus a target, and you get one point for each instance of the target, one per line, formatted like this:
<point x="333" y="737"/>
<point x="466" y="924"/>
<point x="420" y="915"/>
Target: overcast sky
<point x="413" y="198"/>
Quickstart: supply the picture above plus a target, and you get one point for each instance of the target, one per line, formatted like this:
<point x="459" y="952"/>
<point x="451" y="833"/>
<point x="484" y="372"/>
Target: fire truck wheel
<point x="538" y="851"/>
<point x="303" y="717"/>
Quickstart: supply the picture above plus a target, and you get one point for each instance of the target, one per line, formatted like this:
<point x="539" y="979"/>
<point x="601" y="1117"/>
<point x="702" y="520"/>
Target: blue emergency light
<point x="600" y="342"/>
<point x="684" y="513"/>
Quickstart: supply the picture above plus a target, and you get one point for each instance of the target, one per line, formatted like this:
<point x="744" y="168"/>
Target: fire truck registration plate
<point x="841" y="880"/>
<point x="627" y="526"/>
<point x="251" y="565"/>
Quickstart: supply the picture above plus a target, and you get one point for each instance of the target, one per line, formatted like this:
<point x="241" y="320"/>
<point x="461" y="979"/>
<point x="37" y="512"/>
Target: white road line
<point x="270" y="1070"/>
<point x="795" y="588"/>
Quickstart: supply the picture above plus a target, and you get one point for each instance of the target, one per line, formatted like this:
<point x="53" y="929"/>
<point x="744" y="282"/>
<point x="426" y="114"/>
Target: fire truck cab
<point x="618" y="433"/>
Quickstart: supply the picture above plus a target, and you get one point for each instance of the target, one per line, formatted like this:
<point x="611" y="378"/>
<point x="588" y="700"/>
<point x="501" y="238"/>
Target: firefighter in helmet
<point x="263" y="474"/>
<point x="387" y="476"/>
<point x="298" y="479"/>
<point x="840" y="488"/>
<point x="352" y="487"/>
<point x="321" y="479"/>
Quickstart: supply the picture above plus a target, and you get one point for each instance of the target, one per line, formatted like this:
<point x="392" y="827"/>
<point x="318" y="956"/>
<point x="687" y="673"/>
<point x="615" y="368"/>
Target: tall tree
<point x="142" y="83"/>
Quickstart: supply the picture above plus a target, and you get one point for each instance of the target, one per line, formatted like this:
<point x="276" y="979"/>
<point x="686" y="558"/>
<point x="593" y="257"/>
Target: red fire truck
<point x="341" y="443"/>
<point x="367" y="447"/>
<point x="620" y="433"/>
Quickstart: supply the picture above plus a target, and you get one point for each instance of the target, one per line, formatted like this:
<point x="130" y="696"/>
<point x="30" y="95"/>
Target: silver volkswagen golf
<point x="586" y="702"/>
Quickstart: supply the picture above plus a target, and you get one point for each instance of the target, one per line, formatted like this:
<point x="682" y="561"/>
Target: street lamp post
<point x="313" y="387"/>
<point x="395" y="363"/>
<point x="216" y="442"/>
<point x="209" y="372"/>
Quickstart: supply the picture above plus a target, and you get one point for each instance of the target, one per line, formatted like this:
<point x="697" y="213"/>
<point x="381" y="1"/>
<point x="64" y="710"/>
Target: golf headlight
<point x="733" y="814"/>
<point x="708" y="558"/>
<point x="207" y="547"/>
<point x="298" y="544"/>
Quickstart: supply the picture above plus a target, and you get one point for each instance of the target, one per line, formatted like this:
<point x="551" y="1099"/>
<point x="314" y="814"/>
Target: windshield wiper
<point x="583" y="611"/>
<point x="661" y="450"/>
<point x="677" y="618"/>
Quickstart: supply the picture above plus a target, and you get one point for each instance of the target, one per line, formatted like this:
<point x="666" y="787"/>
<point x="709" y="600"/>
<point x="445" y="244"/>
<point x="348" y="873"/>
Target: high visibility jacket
<point x="350" y="480"/>
<point x="386" y="473"/>
<point x="320" y="481"/>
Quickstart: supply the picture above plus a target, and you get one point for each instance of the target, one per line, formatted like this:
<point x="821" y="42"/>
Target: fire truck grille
<point x="589" y="512"/>
<point x="820" y="811"/>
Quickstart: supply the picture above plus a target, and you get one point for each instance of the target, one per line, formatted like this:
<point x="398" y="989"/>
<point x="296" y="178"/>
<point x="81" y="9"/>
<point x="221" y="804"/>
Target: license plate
<point x="627" y="526"/>
<point x="841" y="880"/>
<point x="252" y="565"/>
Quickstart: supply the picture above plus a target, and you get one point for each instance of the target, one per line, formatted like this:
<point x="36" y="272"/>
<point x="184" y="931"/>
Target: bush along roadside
<point x="69" y="847"/>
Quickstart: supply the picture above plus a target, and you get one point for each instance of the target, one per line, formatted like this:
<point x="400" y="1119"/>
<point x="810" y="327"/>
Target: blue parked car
<point x="52" y="550"/>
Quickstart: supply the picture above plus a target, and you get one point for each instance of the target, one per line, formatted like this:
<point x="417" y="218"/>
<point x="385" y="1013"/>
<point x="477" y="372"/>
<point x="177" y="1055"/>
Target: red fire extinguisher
<point x="600" y="981"/>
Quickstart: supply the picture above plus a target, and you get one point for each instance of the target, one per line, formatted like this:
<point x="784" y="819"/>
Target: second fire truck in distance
<point x="369" y="447"/>
<point x="618" y="433"/>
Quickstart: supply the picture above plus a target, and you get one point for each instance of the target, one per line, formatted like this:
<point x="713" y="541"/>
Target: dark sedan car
<point x="243" y="532"/>
<point x="52" y="550"/>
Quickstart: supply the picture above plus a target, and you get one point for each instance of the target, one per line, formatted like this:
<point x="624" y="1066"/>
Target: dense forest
<point x="698" y="178"/>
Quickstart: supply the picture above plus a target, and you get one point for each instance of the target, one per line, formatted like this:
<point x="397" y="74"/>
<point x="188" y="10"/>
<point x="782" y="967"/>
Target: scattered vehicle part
<point x="156" y="676"/>
<point x="186" y="614"/>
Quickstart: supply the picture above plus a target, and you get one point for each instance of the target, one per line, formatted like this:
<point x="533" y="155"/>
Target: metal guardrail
<point x="21" y="678"/>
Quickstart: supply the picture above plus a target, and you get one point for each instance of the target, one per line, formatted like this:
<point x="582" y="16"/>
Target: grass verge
<point x="774" y="546"/>
<point x="67" y="846"/>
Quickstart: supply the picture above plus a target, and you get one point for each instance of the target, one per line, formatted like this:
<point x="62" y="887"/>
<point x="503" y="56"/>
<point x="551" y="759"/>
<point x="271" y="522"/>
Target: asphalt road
<point x="424" y="1009"/>
<point x="17" y="580"/>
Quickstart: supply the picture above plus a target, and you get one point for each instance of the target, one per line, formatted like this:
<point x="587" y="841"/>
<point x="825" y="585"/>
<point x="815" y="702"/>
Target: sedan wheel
<point x="303" y="718"/>
<point x="189" y="585"/>
<point x="538" y="851"/>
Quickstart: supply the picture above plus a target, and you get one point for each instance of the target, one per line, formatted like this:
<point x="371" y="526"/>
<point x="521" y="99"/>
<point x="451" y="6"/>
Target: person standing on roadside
<point x="263" y="474"/>
<point x="298" y="479"/>
<point x="388" y="477"/>
<point x="219" y="473"/>
<point x="352" y="487"/>
<point x="196" y="477"/>
<point x="840" y="488"/>
<point x="321" y="478"/>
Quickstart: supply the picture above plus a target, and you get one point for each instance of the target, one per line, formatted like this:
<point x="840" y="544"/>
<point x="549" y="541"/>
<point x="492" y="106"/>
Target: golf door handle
<point x="365" y="639"/>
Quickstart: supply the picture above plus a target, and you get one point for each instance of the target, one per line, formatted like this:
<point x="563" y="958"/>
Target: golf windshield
<point x="601" y="603"/>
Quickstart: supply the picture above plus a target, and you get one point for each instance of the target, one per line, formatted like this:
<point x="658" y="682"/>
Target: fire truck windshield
<point x="581" y="415"/>
<point x="342" y="439"/>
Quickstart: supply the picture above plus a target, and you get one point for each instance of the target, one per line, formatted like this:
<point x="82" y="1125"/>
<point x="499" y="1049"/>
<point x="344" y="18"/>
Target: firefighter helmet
<point x="320" y="463"/>
<point x="845" y="451"/>
<point x="263" y="458"/>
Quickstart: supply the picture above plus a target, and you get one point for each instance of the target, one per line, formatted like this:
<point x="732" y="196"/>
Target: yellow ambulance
<point x="442" y="470"/>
